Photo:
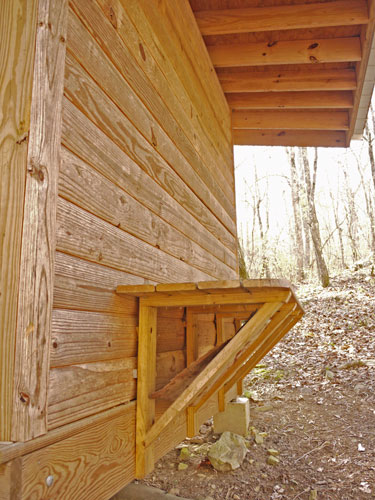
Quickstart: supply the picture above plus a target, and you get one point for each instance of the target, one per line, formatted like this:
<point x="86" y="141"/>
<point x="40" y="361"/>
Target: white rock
<point x="228" y="452"/>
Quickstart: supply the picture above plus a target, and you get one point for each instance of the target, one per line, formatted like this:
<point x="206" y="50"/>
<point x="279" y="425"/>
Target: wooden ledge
<point x="262" y="311"/>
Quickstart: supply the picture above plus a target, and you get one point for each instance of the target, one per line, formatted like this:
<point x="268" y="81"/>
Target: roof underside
<point x="294" y="72"/>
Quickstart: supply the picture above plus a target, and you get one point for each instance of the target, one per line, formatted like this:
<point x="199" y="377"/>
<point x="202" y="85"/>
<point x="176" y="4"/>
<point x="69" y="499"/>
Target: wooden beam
<point x="17" y="45"/>
<point x="255" y="297"/>
<point x="272" y="80"/>
<point x="291" y="100"/>
<point x="191" y="337"/>
<point x="35" y="295"/>
<point x="314" y="51"/>
<point x="282" y="17"/>
<point x="256" y="340"/>
<point x="255" y="324"/>
<point x="303" y="138"/>
<point x="290" y="120"/>
<point x="271" y="341"/>
<point x="145" y="387"/>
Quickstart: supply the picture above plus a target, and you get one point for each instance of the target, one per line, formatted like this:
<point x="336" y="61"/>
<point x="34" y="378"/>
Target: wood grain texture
<point x="83" y="285"/>
<point x="85" y="337"/>
<point x="10" y="451"/>
<point x="282" y="17"/>
<point x="82" y="185"/>
<point x="171" y="334"/>
<point x="280" y="81"/>
<point x="83" y="235"/>
<point x="93" y="464"/>
<point x="17" y="28"/>
<point x="152" y="58"/>
<point x="180" y="30"/>
<point x="286" y="52"/>
<point x="290" y="119"/>
<point x="144" y="460"/>
<point x="89" y="98"/>
<point x="288" y="100"/>
<point x="35" y="297"/>
<point x="256" y="323"/>
<point x="168" y="365"/>
<point x="303" y="138"/>
<point x="88" y="142"/>
<point x="130" y="89"/>
<point x="78" y="391"/>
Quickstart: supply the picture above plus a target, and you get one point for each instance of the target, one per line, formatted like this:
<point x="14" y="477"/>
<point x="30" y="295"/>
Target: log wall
<point x="146" y="193"/>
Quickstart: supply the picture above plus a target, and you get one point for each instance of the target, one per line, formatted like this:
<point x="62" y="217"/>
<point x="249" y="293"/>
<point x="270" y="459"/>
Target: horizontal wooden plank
<point x="197" y="121"/>
<point x="286" y="52"/>
<point x="10" y="451"/>
<point x="94" y="463"/>
<point x="94" y="103"/>
<point x="168" y="365"/>
<point x="84" y="337"/>
<point x="170" y="334"/>
<point x="288" y="80"/>
<point x="81" y="390"/>
<point x="291" y="100"/>
<point x="200" y="126"/>
<point x="290" y="119"/>
<point x="303" y="138"/>
<point x="282" y="17"/>
<point x="81" y="234"/>
<point x="87" y="286"/>
<point x="183" y="45"/>
<point x="85" y="187"/>
<point x="143" y="106"/>
<point x="82" y="137"/>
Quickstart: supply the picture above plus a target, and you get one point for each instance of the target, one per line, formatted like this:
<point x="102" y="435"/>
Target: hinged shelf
<point x="258" y="314"/>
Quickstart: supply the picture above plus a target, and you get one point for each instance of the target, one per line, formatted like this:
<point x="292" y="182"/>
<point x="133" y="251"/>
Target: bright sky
<point x="272" y="162"/>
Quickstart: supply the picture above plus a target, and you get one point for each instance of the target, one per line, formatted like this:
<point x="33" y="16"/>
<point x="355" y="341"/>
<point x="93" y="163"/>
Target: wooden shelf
<point x="262" y="310"/>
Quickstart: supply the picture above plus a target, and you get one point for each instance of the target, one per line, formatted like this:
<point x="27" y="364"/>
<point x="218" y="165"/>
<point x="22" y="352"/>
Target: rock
<point x="360" y="388"/>
<point x="271" y="460"/>
<point x="330" y="375"/>
<point x="198" y="440"/>
<point x="174" y="491"/>
<point x="272" y="452"/>
<point x="258" y="438"/>
<point x="228" y="452"/>
<point x="184" y="453"/>
<point x="182" y="466"/>
<point x="313" y="495"/>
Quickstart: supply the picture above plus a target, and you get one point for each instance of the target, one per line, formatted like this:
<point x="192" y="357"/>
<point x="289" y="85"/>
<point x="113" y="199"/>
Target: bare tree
<point x="296" y="205"/>
<point x="369" y="137"/>
<point x="310" y="185"/>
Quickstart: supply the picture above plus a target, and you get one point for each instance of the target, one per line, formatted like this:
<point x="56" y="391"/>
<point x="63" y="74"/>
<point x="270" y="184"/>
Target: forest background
<point x="306" y="214"/>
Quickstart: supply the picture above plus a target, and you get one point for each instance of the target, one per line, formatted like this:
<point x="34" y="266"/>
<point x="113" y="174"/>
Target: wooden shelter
<point x="120" y="309"/>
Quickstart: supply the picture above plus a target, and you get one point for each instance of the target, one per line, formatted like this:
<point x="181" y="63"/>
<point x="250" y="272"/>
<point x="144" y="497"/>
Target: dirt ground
<point x="314" y="397"/>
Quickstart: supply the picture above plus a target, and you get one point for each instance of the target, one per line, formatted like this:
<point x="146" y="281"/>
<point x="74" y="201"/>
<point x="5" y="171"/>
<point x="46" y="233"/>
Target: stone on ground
<point x="228" y="452"/>
<point x="271" y="460"/>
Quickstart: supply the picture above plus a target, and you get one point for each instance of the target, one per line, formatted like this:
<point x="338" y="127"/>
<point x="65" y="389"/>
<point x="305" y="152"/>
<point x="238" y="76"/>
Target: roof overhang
<point x="294" y="73"/>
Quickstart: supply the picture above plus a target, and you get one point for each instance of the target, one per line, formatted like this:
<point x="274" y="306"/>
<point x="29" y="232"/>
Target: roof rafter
<point x="282" y="17"/>
<point x="286" y="52"/>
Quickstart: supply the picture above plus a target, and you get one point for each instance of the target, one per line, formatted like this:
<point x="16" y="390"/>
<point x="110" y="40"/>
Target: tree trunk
<point x="313" y="222"/>
<point x="296" y="204"/>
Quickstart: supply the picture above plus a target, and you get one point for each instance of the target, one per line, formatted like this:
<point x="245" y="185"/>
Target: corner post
<point x="145" y="386"/>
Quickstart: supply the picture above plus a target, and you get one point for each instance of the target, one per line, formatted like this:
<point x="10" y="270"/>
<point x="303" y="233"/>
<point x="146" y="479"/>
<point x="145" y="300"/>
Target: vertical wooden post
<point x="17" y="47"/>
<point x="240" y="386"/>
<point x="35" y="289"/>
<point x="191" y="337"/>
<point x="145" y="386"/>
